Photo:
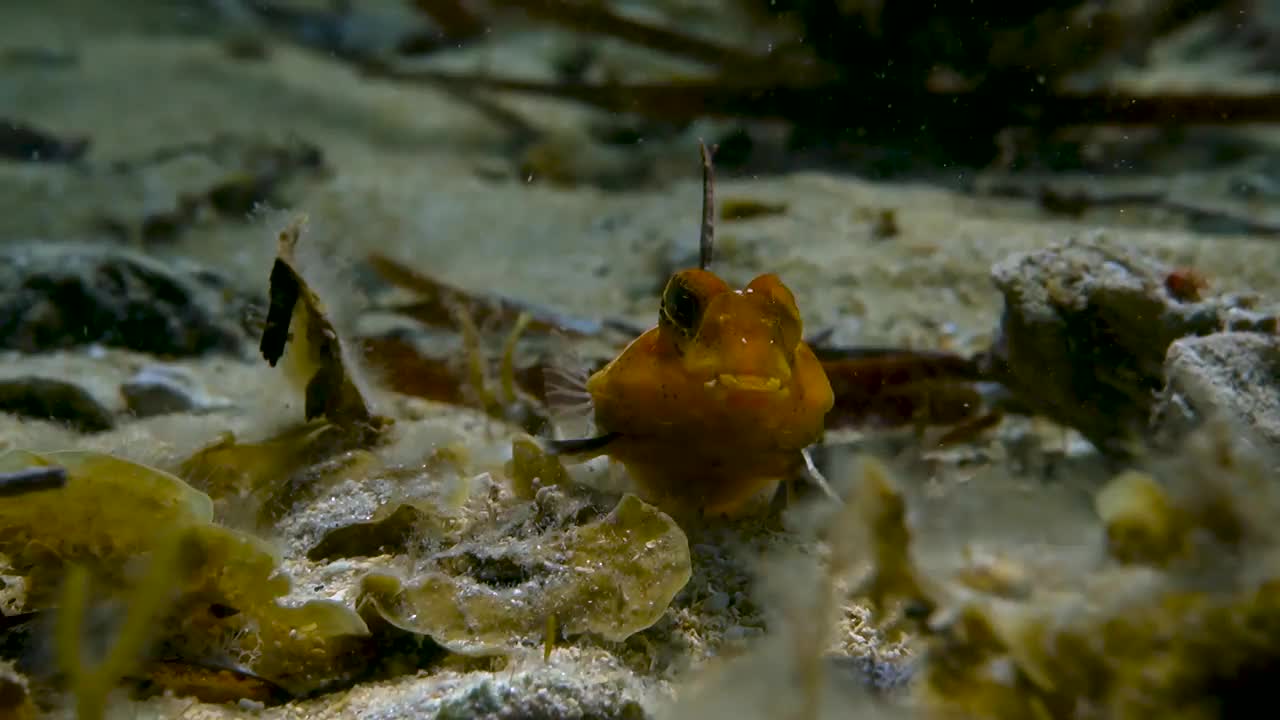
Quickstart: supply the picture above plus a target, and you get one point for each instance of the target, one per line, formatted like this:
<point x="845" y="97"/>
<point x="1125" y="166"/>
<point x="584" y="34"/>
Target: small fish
<point x="718" y="401"/>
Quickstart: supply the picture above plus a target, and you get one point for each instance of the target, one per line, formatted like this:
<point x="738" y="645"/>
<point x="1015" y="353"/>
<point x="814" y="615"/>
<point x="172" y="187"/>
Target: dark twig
<point x="686" y="100"/>
<point x="674" y="101"/>
<point x="25" y="143"/>
<point x="956" y="113"/>
<point x="31" y="480"/>
<point x="1074" y="203"/>
<point x="707" y="238"/>
<point x="594" y="17"/>
<point x="453" y="17"/>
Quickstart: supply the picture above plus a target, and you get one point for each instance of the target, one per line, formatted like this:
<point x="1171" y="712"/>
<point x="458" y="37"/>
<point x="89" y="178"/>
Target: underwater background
<point x="639" y="359"/>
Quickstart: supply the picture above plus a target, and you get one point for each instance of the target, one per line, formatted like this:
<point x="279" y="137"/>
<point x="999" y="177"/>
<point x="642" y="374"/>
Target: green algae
<point x="531" y="468"/>
<point x="112" y="512"/>
<point x="611" y="578"/>
<point x="1195" y="634"/>
<point x="109" y="510"/>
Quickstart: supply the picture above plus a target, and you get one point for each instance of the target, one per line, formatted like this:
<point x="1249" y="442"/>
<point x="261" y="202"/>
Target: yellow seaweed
<point x="112" y="511"/>
<point x="317" y="360"/>
<point x="612" y="578"/>
<point x="109" y="510"/>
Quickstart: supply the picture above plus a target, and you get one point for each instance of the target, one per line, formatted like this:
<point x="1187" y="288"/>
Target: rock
<point x="47" y="398"/>
<point x="872" y="672"/>
<point x="532" y="697"/>
<point x="1084" y="335"/>
<point x="15" y="697"/>
<point x="164" y="389"/>
<point x="391" y="533"/>
<point x="61" y="295"/>
<point x="590" y="688"/>
<point x="1232" y="377"/>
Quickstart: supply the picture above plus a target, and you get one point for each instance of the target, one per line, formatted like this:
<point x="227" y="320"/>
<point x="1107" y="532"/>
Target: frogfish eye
<point x="681" y="307"/>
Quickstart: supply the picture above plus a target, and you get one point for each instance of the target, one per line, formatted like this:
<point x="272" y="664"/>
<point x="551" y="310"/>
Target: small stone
<point x="718" y="602"/>
<point x="15" y="697"/>
<point x="45" y="398"/>
<point x="1231" y="377"/>
<point x="56" y="295"/>
<point x="164" y="389"/>
<point x="1084" y="334"/>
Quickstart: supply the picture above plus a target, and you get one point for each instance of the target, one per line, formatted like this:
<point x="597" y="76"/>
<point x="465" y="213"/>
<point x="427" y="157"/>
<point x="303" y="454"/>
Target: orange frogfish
<point x="715" y="405"/>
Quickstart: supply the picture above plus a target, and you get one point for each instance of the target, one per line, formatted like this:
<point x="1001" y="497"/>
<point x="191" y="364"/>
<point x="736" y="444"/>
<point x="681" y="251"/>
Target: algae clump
<point x="611" y="577"/>
<point x="225" y="586"/>
<point x="109" y="510"/>
<point x="1194" y="635"/>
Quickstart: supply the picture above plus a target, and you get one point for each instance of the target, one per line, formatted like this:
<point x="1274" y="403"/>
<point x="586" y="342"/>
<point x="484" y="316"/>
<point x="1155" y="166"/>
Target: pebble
<point x="165" y="389"/>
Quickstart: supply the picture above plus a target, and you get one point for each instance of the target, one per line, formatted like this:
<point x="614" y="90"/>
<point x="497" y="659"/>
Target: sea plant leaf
<point x="611" y="577"/>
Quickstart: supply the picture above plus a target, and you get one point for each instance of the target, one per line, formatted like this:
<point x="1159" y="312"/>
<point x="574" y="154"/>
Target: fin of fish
<point x="568" y="401"/>
<point x="815" y="475"/>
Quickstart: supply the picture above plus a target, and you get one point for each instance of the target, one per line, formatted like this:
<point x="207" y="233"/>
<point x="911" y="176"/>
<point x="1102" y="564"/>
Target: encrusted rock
<point x="1085" y="331"/>
<point x="1231" y="377"/>
<point x="62" y="401"/>
<point x="164" y="389"/>
<point x="61" y="295"/>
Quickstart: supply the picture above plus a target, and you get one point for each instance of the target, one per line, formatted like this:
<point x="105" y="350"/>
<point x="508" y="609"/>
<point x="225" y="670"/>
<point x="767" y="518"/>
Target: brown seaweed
<point x="611" y="577"/>
<point x="316" y="357"/>
<point x="438" y="301"/>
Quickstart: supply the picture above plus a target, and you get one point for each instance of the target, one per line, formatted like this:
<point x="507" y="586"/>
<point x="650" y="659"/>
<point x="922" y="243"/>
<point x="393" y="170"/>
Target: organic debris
<point x="317" y="360"/>
<point x="437" y="304"/>
<point x="1000" y="72"/>
<point x="885" y="224"/>
<point x="1142" y="524"/>
<point x="459" y="371"/>
<point x="1186" y="284"/>
<point x="611" y="577"/>
<point x="792" y="670"/>
<point x="510" y="392"/>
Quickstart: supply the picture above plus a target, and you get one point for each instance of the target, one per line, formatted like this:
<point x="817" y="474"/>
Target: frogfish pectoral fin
<point x="589" y="446"/>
